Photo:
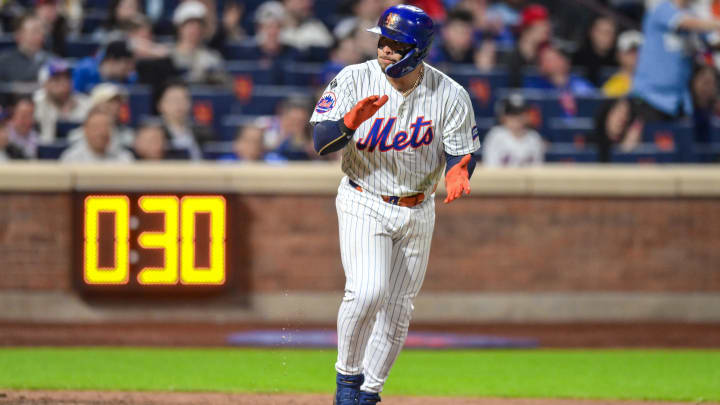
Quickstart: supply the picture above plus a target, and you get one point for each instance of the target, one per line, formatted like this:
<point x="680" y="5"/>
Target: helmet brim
<point x="394" y="35"/>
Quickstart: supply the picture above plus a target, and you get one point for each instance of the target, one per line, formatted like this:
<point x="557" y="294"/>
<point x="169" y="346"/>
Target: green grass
<point x="681" y="375"/>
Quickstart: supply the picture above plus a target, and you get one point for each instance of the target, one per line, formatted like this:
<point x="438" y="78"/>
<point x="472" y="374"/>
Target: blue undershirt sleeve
<point x="452" y="160"/>
<point x="331" y="136"/>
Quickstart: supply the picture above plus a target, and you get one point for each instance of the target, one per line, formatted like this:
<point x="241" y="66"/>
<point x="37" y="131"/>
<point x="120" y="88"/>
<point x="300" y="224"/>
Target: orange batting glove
<point x="363" y="110"/>
<point x="457" y="180"/>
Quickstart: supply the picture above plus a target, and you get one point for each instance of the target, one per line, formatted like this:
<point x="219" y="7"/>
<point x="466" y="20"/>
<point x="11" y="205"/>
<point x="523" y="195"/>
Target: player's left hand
<point x="457" y="180"/>
<point x="363" y="110"/>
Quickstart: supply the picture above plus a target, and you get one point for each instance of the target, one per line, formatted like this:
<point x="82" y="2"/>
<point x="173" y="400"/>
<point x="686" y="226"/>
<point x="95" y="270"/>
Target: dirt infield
<point x="644" y="335"/>
<point x="174" y="398"/>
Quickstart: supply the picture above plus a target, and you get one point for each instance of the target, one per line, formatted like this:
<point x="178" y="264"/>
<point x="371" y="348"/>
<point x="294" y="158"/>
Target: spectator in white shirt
<point x="97" y="145"/>
<point x="303" y="29"/>
<point x="513" y="143"/>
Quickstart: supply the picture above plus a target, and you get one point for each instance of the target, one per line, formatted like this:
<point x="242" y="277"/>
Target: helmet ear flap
<point x="405" y="65"/>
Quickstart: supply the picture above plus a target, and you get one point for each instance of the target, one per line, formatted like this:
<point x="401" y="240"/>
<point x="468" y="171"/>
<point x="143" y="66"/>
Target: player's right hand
<point x="363" y="110"/>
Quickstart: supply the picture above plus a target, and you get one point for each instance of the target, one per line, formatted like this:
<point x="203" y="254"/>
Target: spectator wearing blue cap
<point x="661" y="82"/>
<point x="56" y="100"/>
<point x="23" y="63"/>
<point x="115" y="64"/>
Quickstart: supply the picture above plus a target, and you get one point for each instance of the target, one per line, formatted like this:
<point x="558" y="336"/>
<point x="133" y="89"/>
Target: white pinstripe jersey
<point x="400" y="150"/>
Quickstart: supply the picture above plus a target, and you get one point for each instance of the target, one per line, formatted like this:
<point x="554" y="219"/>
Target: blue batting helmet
<point x="409" y="25"/>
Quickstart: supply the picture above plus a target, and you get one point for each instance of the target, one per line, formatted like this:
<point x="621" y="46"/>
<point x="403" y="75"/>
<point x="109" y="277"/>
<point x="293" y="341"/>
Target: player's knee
<point x="367" y="302"/>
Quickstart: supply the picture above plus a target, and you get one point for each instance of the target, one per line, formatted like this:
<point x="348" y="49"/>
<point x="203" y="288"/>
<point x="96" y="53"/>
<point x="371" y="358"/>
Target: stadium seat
<point x="177" y="154"/>
<point x="304" y="74"/>
<point x="231" y="123"/>
<point x="82" y="47"/>
<point x="52" y="151"/>
<point x="210" y="104"/>
<point x="94" y="16"/>
<point x="484" y="124"/>
<point x="673" y="137"/>
<point x="62" y="128"/>
<point x="237" y="51"/>
<point x="217" y="150"/>
<point x="257" y="72"/>
<point x="644" y="153"/>
<point x="7" y="41"/>
<point x="569" y="153"/>
<point x="483" y="87"/>
<point x="139" y="103"/>
<point x="570" y="130"/>
<point x="265" y="99"/>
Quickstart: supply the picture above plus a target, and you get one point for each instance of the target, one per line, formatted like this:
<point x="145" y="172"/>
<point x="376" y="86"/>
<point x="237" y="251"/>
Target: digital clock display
<point x="149" y="243"/>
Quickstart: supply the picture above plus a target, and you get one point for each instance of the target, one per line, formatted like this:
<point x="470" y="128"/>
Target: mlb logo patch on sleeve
<point x="326" y="103"/>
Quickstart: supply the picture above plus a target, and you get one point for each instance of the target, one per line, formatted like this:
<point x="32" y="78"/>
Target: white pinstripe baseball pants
<point x="385" y="250"/>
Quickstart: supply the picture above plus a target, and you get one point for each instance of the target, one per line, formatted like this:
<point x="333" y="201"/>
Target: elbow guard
<point x="331" y="136"/>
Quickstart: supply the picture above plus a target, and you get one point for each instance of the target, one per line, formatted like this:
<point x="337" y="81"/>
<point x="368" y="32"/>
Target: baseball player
<point x="398" y="122"/>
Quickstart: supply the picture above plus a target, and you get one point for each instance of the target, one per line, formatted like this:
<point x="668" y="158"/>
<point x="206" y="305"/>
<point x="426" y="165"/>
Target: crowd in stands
<point x="233" y="80"/>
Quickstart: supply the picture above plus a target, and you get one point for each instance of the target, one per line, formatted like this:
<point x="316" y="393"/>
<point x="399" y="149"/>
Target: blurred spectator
<point x="56" y="100"/>
<point x="248" y="145"/>
<point x="509" y="11"/>
<point x="620" y="83"/>
<point x="266" y="47"/>
<point x="303" y="30"/>
<point x="554" y="68"/>
<point x="665" y="61"/>
<point x="484" y="22"/>
<point x="513" y="143"/>
<point x="4" y="152"/>
<point x="153" y="63"/>
<point x="364" y="14"/>
<point x="152" y="144"/>
<point x="289" y="136"/>
<point x="141" y="41"/>
<point x="289" y="121"/>
<point x="8" y="151"/>
<point x="343" y="53"/>
<point x="190" y="55"/>
<point x="110" y="99"/>
<point x="633" y="9"/>
<point x="457" y="39"/>
<point x="704" y="87"/>
<point x="21" y="128"/>
<point x="616" y="124"/>
<point x="598" y="50"/>
<point x="72" y="11"/>
<point x="97" y="144"/>
<point x="120" y="13"/>
<point x="23" y="63"/>
<point x="55" y="23"/>
<point x="174" y="108"/>
<point x="535" y="30"/>
<point x="114" y="64"/>
<point x="230" y="30"/>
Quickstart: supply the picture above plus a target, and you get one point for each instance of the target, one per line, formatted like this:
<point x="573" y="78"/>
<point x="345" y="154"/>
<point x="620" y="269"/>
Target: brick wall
<point x="480" y="244"/>
<point x="35" y="241"/>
